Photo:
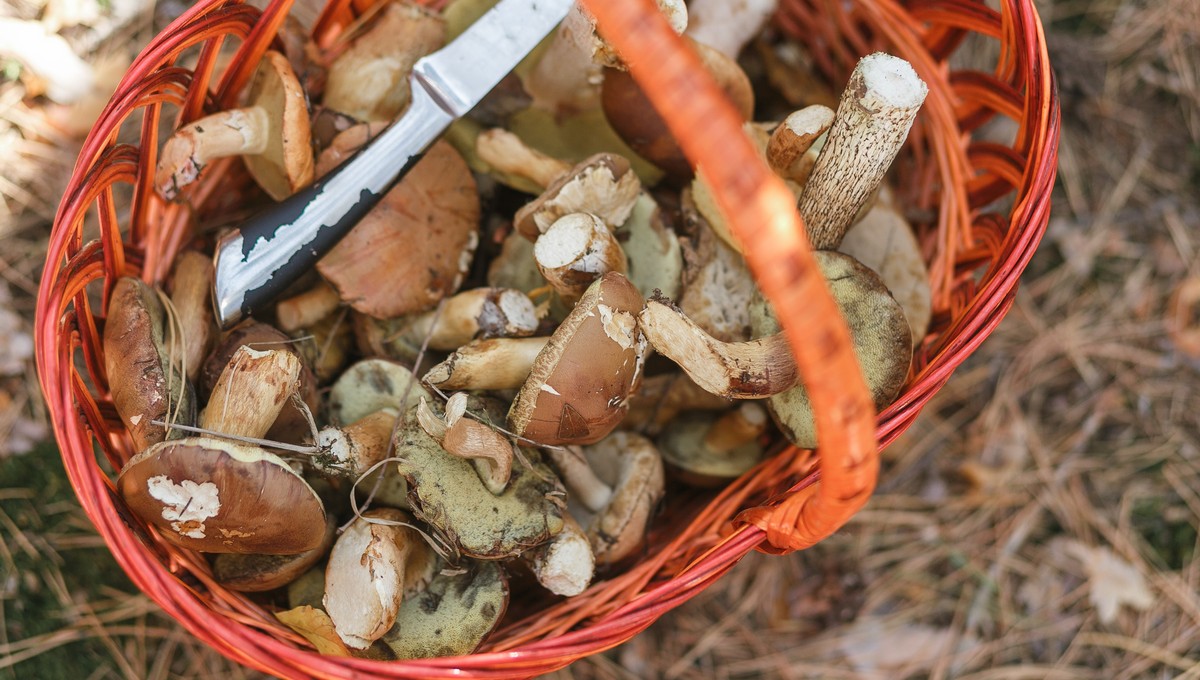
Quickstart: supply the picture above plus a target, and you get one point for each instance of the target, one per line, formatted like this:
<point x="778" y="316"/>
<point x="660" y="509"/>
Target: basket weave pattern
<point x="988" y="202"/>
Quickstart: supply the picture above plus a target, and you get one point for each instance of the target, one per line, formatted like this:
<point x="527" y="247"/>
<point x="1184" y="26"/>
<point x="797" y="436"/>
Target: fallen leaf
<point x="315" y="626"/>
<point x="1113" y="581"/>
<point x="900" y="651"/>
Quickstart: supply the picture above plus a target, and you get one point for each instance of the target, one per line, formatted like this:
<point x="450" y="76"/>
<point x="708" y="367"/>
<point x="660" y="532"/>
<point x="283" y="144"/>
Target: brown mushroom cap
<point x="414" y="247"/>
<point x="215" y="496"/>
<point x="260" y="573"/>
<point x="635" y="120"/>
<point x="146" y="385"/>
<point x="580" y="383"/>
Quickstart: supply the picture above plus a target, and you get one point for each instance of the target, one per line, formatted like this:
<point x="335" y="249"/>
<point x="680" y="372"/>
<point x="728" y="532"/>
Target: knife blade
<point x="274" y="248"/>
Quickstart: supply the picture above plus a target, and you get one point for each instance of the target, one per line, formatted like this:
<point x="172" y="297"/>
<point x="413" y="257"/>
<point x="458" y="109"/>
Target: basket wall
<point x="988" y="202"/>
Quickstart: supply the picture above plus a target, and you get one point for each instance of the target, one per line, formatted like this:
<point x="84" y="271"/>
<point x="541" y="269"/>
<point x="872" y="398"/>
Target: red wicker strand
<point x="977" y="252"/>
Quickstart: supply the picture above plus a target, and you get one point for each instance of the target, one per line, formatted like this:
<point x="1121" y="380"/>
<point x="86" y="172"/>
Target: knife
<point x="273" y="249"/>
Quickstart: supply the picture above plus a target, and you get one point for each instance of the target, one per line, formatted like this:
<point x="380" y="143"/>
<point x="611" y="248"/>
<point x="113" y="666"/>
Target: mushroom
<point x="717" y="285"/>
<point x="260" y="573"/>
<point x="881" y="336"/>
<point x="497" y="364"/>
<point x="619" y="481"/>
<point x="326" y="344"/>
<point x="371" y="385"/>
<point x="451" y="616"/>
<point x="146" y="382"/>
<point x="576" y="250"/>
<point x="449" y="495"/>
<point x="514" y="266"/>
<point x="580" y="384"/>
<point x="345" y="144"/>
<point x="707" y="452"/>
<point x="790" y="151"/>
<point x="884" y="242"/>
<point x="307" y="308"/>
<point x="652" y="248"/>
<point x="635" y="120"/>
<point x="603" y="185"/>
<point x="369" y="81"/>
<point x="191" y="299"/>
<point x="664" y="396"/>
<point x="565" y="565"/>
<point x="376" y="562"/>
<point x="413" y="248"/>
<point x="271" y="134"/>
<point x="727" y="25"/>
<point x="873" y="118"/>
<point x="703" y="202"/>
<point x="292" y="425"/>
<point x="490" y="451"/>
<point x="754" y="369"/>
<point x="206" y="494"/>
<point x="251" y="392"/>
<point x="351" y="450"/>
<point x="509" y="156"/>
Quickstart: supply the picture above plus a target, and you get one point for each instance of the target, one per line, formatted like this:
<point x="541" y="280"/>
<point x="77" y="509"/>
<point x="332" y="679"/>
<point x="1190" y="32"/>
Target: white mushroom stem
<point x="496" y="364"/>
<point x="874" y="116"/>
<point x="490" y="452"/>
<point x="565" y="566"/>
<point x="727" y="25"/>
<point x="358" y="446"/>
<point x="735" y="370"/>
<point x="676" y="12"/>
<point x="788" y="149"/>
<point x="234" y="132"/>
<point x="307" y="308"/>
<point x="251" y="392"/>
<point x="490" y="312"/>
<point x="737" y="427"/>
<point x="507" y="153"/>
<point x="575" y="251"/>
<point x="566" y="77"/>
<point x="581" y="481"/>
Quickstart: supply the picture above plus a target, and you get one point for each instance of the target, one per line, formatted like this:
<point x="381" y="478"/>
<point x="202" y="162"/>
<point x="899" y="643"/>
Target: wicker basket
<point x="988" y="202"/>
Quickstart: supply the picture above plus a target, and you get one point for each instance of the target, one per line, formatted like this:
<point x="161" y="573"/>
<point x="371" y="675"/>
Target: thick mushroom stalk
<point x="351" y="450"/>
<point x="496" y="364"/>
<point x="490" y="452"/>
<point x="191" y="296"/>
<point x="507" y="153"/>
<point x="575" y="251"/>
<point x="873" y="118"/>
<point x="251" y="392"/>
<point x="476" y="313"/>
<point x="789" y="151"/>
<point x="271" y="134"/>
<point x="564" y="566"/>
<point x="735" y="370"/>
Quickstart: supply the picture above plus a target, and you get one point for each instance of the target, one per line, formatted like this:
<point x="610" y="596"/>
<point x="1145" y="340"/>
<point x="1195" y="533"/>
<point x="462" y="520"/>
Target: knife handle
<point x="273" y="249"/>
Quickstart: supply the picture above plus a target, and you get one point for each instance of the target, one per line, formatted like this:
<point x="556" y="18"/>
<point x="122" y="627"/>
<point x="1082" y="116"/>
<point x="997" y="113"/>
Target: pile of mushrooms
<point x="464" y="393"/>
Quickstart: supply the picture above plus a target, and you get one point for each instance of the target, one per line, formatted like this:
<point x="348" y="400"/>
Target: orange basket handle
<point x="764" y="218"/>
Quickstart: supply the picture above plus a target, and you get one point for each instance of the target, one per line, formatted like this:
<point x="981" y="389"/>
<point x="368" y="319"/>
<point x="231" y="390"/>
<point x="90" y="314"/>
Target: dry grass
<point x="1073" y="429"/>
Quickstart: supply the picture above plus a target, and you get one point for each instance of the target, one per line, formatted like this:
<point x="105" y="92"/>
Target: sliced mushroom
<point x="271" y="134"/>
<point x="877" y="109"/>
<point x="565" y="565"/>
<point x="351" y="450"/>
<point x="370" y="79"/>
<point x="620" y="481"/>
<point x="580" y="384"/>
<point x="414" y="247"/>
<point x="490" y="451"/>
<point x="378" y="561"/>
<point x="191" y="298"/>
<point x="881" y="336"/>
<point x="575" y="251"/>
<point x="603" y="185"/>
<point x="717" y="285"/>
<point x="260" y="573"/>
<point x="727" y="26"/>
<point x="448" y="494"/>
<point x="453" y="615"/>
<point x="497" y="364"/>
<point x="146" y="382"/>
<point x="707" y="452"/>
<point x="790" y="151"/>
<point x="216" y="496"/>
